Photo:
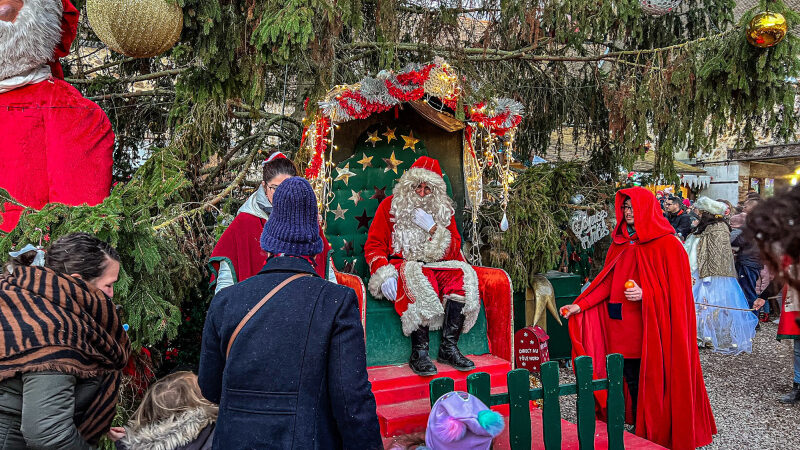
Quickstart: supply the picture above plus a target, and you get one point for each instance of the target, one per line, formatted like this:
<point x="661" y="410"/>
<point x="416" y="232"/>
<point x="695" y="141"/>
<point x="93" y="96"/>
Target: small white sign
<point x="589" y="229"/>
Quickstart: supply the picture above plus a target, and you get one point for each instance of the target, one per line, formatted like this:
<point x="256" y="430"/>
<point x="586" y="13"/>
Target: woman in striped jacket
<point x="62" y="347"/>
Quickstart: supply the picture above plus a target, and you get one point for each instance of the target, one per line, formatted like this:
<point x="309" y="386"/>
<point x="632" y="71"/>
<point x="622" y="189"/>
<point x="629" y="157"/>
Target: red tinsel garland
<point x="323" y="126"/>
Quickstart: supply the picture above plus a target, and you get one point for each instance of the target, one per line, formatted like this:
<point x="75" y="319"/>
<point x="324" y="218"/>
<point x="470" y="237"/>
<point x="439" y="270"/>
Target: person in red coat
<point x="641" y="305"/>
<point x="57" y="146"/>
<point x="414" y="254"/>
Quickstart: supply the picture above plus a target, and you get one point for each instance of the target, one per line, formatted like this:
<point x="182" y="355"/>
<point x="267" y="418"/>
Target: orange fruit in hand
<point x="630" y="284"/>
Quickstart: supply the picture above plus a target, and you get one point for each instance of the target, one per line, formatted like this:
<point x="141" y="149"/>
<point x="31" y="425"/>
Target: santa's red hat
<point x="429" y="164"/>
<point x="69" y="30"/>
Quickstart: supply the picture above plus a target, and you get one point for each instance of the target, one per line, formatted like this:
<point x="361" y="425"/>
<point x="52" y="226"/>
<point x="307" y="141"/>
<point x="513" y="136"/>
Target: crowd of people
<point x="297" y="372"/>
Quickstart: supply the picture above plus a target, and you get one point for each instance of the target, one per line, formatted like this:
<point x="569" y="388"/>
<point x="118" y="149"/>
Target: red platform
<point x="403" y="404"/>
<point x="403" y="396"/>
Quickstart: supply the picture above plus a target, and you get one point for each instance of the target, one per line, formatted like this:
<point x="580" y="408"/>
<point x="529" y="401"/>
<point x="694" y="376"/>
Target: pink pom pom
<point x="450" y="429"/>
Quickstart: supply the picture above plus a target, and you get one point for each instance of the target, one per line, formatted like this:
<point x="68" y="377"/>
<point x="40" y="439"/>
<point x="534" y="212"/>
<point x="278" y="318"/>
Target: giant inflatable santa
<point x="55" y="145"/>
<point x="414" y="254"/>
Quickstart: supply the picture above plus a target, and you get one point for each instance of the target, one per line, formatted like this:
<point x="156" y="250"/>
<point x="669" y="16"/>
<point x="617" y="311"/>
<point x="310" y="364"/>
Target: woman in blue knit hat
<point x="283" y="352"/>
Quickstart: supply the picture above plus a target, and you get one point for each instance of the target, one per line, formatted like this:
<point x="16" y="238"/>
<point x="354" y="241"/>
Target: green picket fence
<point x="519" y="394"/>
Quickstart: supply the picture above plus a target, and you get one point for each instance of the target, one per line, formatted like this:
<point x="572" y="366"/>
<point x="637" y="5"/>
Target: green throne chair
<point x="360" y="183"/>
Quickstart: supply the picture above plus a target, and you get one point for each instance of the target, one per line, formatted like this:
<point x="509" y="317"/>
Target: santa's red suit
<point x="430" y="269"/>
<point x="56" y="145"/>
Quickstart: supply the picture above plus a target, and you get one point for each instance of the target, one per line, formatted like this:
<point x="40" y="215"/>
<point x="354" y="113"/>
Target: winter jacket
<point x="37" y="410"/>
<point x="296" y="376"/>
<point x="190" y="430"/>
<point x="681" y="223"/>
<point x="747" y="253"/>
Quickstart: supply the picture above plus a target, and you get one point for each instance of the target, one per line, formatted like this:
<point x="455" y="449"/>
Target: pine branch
<point x="107" y="65"/>
<point x="150" y="93"/>
<point x="149" y="76"/>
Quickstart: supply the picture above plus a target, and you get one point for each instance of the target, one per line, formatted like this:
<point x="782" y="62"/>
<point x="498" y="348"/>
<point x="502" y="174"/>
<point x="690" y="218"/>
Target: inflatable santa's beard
<point x="29" y="40"/>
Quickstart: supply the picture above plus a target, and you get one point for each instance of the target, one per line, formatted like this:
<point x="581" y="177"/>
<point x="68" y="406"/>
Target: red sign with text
<point x="531" y="348"/>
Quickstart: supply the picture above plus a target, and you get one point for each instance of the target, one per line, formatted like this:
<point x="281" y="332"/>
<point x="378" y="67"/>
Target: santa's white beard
<point x="30" y="41"/>
<point x="408" y="237"/>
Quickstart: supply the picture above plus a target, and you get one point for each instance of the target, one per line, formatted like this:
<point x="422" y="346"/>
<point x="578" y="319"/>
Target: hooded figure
<point x="652" y="324"/>
<point x="57" y="146"/>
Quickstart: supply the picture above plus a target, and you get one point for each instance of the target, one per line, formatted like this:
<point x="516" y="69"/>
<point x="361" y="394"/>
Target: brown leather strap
<point x="258" y="306"/>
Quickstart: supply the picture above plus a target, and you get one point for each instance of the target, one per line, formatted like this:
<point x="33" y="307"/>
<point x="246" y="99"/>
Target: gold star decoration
<point x="366" y="161"/>
<point x="390" y="134"/>
<point x="373" y="138"/>
<point x="344" y="173"/>
<point x="391" y="163"/>
<point x="339" y="212"/>
<point x="356" y="197"/>
<point x="411" y="141"/>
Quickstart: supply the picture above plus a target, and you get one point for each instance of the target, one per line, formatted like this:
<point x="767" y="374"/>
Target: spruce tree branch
<point x="149" y="76"/>
<point x="150" y="93"/>
<point x="107" y="65"/>
<point x="479" y="54"/>
<point x="214" y="201"/>
<point x="252" y="113"/>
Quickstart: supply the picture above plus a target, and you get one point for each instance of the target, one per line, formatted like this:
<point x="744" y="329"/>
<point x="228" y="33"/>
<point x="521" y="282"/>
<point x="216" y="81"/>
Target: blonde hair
<point x="170" y="396"/>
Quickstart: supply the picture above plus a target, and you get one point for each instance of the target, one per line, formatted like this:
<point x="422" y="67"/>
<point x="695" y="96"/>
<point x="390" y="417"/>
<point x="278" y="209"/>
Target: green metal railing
<point x="520" y="394"/>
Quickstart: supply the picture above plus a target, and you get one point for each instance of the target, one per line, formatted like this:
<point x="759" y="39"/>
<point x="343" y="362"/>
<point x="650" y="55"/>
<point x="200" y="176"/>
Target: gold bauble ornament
<point x="766" y="29"/>
<point x="136" y="28"/>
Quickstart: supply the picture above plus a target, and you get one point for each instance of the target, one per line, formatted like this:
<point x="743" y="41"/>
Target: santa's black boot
<point x="793" y="396"/>
<point x="420" y="362"/>
<point x="451" y="331"/>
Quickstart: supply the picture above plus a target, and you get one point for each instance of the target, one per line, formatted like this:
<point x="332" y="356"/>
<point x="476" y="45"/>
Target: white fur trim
<point x="417" y="175"/>
<point x="426" y="308"/>
<point x="169" y="433"/>
<point x="30" y="41"/>
<point x="376" y="280"/>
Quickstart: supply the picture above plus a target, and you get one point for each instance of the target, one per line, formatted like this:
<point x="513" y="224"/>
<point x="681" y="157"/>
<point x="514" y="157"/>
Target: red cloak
<point x="240" y="246"/>
<point x="673" y="406"/>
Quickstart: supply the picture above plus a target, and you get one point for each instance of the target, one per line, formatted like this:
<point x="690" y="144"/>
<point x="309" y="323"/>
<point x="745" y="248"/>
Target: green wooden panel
<point x="519" y="422"/>
<point x="551" y="407"/>
<point x="616" y="402"/>
<point x="480" y="385"/>
<point x="585" y="402"/>
<point x="441" y="386"/>
<point x="566" y="287"/>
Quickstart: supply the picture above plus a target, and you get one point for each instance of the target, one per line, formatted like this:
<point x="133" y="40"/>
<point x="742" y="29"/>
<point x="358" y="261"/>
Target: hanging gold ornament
<point x="766" y="29"/>
<point x="136" y="28"/>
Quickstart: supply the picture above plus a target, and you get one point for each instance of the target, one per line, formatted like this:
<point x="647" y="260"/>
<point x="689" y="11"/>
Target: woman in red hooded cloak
<point x="652" y="324"/>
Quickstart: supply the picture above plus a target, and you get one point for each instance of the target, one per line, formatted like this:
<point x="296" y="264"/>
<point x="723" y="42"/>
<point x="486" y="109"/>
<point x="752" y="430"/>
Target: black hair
<point x="80" y="253"/>
<point x="773" y="223"/>
<point x="706" y="219"/>
<point x="677" y="200"/>
<point x="278" y="166"/>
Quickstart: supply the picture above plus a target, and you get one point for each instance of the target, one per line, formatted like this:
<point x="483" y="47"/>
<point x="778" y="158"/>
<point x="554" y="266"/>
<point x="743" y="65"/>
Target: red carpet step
<point x="403" y="396"/>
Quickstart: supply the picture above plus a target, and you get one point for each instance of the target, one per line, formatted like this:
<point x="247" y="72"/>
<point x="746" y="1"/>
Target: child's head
<point x="171" y="396"/>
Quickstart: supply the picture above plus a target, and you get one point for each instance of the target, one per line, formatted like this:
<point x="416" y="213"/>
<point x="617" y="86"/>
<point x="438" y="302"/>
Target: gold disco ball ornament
<point x="766" y="29"/>
<point x="136" y="28"/>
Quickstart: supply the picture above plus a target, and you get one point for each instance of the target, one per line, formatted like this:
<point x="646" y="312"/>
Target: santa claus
<point x="56" y="145"/>
<point x="414" y="255"/>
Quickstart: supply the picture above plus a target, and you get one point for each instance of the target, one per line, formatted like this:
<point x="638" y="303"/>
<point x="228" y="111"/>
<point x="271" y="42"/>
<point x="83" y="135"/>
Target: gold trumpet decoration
<point x="540" y="297"/>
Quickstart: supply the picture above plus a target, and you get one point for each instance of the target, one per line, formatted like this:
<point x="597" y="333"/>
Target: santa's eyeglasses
<point x="423" y="187"/>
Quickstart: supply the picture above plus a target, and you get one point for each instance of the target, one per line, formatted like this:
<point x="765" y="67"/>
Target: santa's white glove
<point x="389" y="289"/>
<point x="423" y="220"/>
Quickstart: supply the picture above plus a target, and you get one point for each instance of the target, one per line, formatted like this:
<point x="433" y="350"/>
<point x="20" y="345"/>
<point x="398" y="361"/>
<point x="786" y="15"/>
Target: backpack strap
<point x="258" y="306"/>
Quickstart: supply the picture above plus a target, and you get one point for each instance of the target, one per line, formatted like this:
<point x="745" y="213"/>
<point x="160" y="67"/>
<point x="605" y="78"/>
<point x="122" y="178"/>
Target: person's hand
<point x="759" y="303"/>
<point x="389" y="289"/>
<point x="116" y="433"/>
<point x="633" y="294"/>
<point x="569" y="310"/>
<point x="423" y="220"/>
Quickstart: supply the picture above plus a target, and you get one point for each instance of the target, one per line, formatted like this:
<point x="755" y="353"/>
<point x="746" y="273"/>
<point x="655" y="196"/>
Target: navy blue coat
<point x="296" y="377"/>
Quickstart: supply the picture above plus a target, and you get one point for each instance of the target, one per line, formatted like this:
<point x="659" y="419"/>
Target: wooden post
<point x="479" y="385"/>
<point x="585" y="402"/>
<point x="441" y="386"/>
<point x="551" y="406"/>
<point x="616" y="402"/>
<point x="519" y="421"/>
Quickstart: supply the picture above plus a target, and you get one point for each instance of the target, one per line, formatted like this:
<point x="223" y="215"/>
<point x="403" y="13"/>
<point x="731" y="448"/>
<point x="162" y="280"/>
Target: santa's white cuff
<point x="376" y="280"/>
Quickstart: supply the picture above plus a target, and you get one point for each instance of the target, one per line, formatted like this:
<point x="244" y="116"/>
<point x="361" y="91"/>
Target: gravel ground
<point x="743" y="391"/>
